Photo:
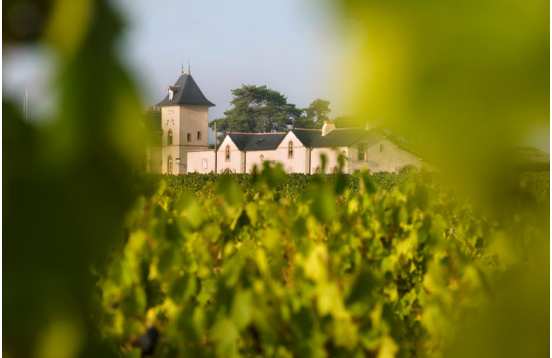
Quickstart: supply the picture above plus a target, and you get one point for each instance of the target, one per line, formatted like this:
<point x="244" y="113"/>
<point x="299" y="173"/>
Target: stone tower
<point x="184" y="123"/>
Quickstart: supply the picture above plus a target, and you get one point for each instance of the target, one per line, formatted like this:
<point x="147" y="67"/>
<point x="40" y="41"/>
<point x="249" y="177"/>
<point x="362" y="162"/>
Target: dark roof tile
<point x="257" y="141"/>
<point x="311" y="138"/>
<point x="339" y="137"/>
<point x="186" y="91"/>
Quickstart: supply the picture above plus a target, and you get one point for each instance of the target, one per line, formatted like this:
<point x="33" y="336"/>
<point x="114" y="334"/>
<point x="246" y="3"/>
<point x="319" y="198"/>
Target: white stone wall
<point x="182" y="120"/>
<point x="170" y="121"/>
<point x="256" y="158"/>
<point x="194" y="120"/>
<point x="297" y="164"/>
<point x="331" y="156"/>
<point x="201" y="161"/>
<point x="173" y="152"/>
<point x="383" y="156"/>
<point x="237" y="157"/>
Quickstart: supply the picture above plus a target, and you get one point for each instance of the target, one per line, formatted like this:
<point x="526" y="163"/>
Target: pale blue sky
<point x="289" y="45"/>
<point x="293" y="46"/>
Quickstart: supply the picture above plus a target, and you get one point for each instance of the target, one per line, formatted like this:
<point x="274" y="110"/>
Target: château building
<point x="184" y="124"/>
<point x="184" y="145"/>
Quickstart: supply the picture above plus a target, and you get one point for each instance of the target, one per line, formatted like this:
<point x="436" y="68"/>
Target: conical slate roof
<point x="185" y="91"/>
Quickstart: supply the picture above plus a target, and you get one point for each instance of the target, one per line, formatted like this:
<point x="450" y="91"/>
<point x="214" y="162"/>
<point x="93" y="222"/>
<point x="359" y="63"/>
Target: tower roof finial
<point x="181" y="69"/>
<point x="189" y="68"/>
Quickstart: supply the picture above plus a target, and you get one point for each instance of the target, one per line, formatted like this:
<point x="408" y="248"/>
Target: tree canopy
<point x="258" y="109"/>
<point x="261" y="109"/>
<point x="315" y="114"/>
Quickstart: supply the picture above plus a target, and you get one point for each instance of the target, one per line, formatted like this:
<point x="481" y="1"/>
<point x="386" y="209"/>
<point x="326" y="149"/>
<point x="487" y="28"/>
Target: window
<point x="381" y="147"/>
<point x="198" y="135"/>
<point x="171" y="94"/>
<point x="227" y="153"/>
<point x="290" y="149"/>
<point x="204" y="163"/>
<point x="189" y="137"/>
<point x="169" y="165"/>
<point x="361" y="152"/>
<point x="169" y="137"/>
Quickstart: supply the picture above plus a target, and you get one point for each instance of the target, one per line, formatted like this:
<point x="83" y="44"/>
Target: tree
<point x="258" y="109"/>
<point x="315" y="114"/>
<point x="347" y="122"/>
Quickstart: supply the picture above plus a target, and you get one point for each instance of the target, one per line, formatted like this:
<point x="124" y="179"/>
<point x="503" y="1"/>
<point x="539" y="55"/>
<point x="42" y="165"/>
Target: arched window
<point x="169" y="165"/>
<point x="227" y="153"/>
<point x="290" y="149"/>
<point x="169" y="137"/>
<point x="198" y="135"/>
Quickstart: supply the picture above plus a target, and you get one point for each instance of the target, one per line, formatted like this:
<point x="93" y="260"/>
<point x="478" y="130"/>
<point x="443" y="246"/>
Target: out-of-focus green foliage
<point x="467" y="82"/>
<point x="67" y="180"/>
<point x="463" y="81"/>
<point x="272" y="265"/>
<point x="269" y="265"/>
<point x="293" y="185"/>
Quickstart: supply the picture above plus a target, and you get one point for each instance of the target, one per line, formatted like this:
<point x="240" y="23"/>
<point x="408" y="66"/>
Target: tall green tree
<point x="258" y="109"/>
<point x="347" y="122"/>
<point x="315" y="114"/>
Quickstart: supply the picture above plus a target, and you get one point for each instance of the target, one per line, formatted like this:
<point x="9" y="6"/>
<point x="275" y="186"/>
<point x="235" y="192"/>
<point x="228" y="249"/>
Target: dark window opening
<point x="290" y="149"/>
<point x="169" y="137"/>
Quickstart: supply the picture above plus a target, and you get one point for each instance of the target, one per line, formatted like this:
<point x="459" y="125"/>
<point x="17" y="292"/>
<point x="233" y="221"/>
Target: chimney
<point x="327" y="127"/>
